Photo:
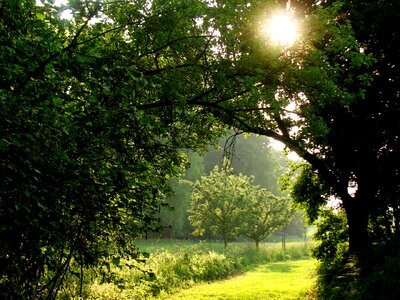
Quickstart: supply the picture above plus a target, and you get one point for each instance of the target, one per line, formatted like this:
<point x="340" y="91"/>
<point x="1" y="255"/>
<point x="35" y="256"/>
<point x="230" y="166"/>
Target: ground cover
<point x="172" y="265"/>
<point x="278" y="280"/>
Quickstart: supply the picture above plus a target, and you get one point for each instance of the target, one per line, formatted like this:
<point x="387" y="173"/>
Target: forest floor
<point x="279" y="280"/>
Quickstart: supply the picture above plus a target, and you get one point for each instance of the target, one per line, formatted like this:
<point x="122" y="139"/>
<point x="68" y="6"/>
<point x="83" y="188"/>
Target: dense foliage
<point x="85" y="153"/>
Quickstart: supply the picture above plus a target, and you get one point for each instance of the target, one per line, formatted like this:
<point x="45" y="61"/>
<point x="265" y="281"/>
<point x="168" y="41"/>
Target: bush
<point x="368" y="276"/>
<point x="172" y="271"/>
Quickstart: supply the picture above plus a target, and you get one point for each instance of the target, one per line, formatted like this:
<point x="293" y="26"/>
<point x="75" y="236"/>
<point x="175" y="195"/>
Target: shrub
<point x="367" y="276"/>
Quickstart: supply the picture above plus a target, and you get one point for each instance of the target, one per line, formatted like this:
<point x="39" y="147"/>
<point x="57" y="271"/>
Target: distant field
<point x="279" y="280"/>
<point x="174" y="245"/>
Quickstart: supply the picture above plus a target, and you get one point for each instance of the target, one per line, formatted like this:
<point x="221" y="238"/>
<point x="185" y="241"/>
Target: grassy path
<point x="281" y="280"/>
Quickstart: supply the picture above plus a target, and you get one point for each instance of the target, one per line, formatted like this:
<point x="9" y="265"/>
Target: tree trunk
<point x="396" y="221"/>
<point x="257" y="244"/>
<point x="225" y="237"/>
<point x="357" y="219"/>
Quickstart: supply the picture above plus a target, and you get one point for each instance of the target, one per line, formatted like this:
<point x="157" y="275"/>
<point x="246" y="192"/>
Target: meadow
<point x="169" y="266"/>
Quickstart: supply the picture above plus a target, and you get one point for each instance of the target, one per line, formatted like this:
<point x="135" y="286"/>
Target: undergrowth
<point x="172" y="267"/>
<point x="369" y="276"/>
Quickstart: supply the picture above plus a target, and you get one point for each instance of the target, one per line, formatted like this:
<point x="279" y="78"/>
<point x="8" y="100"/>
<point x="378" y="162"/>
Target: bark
<point x="357" y="219"/>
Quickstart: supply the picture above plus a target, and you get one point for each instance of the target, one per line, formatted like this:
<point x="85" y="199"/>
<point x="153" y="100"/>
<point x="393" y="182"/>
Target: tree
<point x="85" y="154"/>
<point x="229" y="205"/>
<point x="360" y="137"/>
<point x="250" y="155"/>
<point x="219" y="203"/>
<point x="341" y="82"/>
<point x="265" y="214"/>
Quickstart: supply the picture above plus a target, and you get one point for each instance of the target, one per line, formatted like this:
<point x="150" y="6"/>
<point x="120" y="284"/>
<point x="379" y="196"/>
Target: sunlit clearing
<point x="282" y="29"/>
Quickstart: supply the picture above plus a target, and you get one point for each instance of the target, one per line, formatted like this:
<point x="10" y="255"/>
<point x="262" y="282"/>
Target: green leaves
<point x="57" y="102"/>
<point x="40" y="16"/>
<point x="94" y="116"/>
<point x="227" y="205"/>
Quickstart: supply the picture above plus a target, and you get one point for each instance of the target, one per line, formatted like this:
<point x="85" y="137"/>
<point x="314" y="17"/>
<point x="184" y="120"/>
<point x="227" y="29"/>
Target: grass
<point x="174" y="265"/>
<point x="268" y="252"/>
<point x="279" y="280"/>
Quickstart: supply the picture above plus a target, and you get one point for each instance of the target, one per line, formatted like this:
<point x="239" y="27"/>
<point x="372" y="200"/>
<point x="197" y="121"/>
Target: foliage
<point x="330" y="236"/>
<point x="219" y="203"/>
<point x="373" y="275"/>
<point x="93" y="110"/>
<point x="309" y="192"/>
<point x="265" y="214"/>
<point x="85" y="155"/>
<point x="229" y="205"/>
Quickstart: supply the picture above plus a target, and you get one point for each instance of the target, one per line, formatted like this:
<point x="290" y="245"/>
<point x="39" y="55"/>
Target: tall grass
<point x="174" y="265"/>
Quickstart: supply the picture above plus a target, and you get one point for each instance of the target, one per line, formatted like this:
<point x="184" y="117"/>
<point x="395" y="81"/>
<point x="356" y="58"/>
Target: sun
<point x="282" y="29"/>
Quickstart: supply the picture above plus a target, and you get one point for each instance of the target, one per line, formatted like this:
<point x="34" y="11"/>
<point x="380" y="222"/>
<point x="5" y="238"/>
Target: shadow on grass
<point x="277" y="267"/>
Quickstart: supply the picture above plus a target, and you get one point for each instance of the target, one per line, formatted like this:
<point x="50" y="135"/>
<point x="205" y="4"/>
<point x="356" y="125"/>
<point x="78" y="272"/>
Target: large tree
<point x="332" y="98"/>
<point x="85" y="154"/>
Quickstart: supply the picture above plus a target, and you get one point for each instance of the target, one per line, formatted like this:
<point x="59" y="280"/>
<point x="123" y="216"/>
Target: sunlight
<point x="282" y="29"/>
<point x="279" y="146"/>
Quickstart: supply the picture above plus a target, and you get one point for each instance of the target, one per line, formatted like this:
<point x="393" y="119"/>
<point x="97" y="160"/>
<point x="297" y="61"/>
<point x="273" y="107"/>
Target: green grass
<point x="270" y="250"/>
<point x="279" y="280"/>
<point x="177" y="265"/>
<point x="174" y="245"/>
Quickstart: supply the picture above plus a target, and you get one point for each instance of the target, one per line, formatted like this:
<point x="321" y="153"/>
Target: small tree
<point x="220" y="203"/>
<point x="227" y="205"/>
<point x="266" y="213"/>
